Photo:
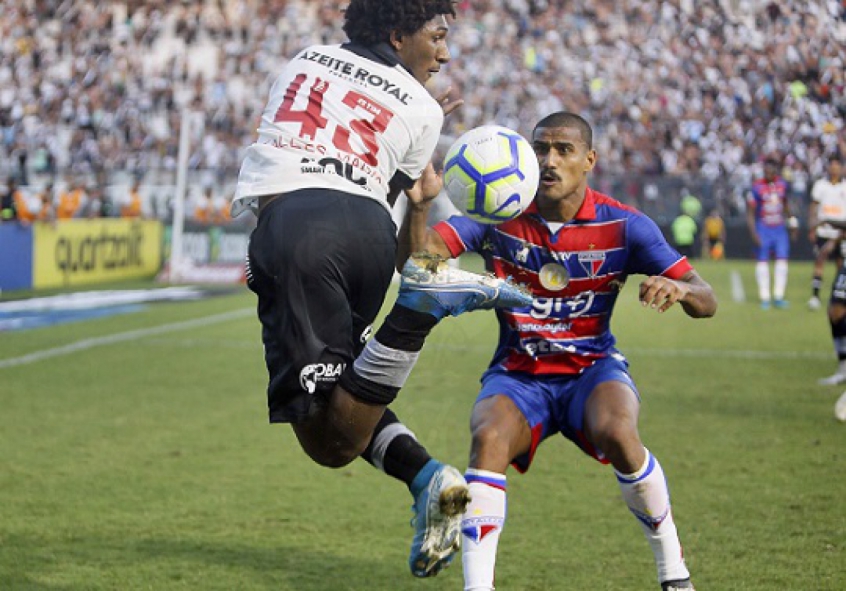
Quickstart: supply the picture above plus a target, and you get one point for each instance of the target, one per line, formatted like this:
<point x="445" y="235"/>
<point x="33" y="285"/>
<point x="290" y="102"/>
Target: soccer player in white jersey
<point x="828" y="204"/>
<point x="828" y="222"/>
<point x="556" y="369"/>
<point x="346" y="128"/>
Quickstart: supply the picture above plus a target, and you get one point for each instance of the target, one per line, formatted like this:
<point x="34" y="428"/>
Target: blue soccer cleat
<point x="438" y="508"/>
<point x="436" y="288"/>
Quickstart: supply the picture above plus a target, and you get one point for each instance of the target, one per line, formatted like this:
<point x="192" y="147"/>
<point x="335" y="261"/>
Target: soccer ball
<point x="491" y="174"/>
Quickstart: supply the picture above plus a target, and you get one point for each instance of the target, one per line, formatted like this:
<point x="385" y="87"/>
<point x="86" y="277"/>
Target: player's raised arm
<point x="415" y="236"/>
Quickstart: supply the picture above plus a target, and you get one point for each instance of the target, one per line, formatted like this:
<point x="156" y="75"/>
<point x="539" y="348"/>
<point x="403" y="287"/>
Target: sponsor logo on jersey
<point x="360" y="75"/>
<point x="332" y="166"/>
<point x="320" y="372"/>
<point x="365" y="334"/>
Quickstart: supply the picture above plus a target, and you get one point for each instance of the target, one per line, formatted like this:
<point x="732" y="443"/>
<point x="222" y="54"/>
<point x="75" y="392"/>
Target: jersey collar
<point x="587" y="210"/>
<point x="380" y="52"/>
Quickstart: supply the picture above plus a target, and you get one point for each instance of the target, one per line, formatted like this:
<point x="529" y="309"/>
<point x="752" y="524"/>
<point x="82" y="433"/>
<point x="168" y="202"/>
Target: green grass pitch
<point x="146" y="463"/>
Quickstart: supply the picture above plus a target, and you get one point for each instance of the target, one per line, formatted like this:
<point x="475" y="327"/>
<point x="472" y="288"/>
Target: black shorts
<point x="838" y="288"/>
<point x="836" y="253"/>
<point x="321" y="263"/>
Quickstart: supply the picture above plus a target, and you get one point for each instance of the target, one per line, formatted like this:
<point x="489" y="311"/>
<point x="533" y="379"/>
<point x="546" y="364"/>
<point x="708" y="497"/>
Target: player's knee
<point x="617" y="440"/>
<point x="336" y="457"/>
<point x="490" y="446"/>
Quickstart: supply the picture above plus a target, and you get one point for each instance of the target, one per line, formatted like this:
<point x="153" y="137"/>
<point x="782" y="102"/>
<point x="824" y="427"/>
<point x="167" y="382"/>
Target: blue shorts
<point x="555" y="404"/>
<point x="774" y="240"/>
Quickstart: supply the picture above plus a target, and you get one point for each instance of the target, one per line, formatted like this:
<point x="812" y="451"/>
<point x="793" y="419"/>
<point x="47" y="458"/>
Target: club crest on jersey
<point x="313" y="373"/>
<point x="554" y="277"/>
<point x="477" y="528"/>
<point x="592" y="262"/>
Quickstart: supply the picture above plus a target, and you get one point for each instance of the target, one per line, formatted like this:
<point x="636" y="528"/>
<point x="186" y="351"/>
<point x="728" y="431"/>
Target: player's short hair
<point x="567" y="119"/>
<point x="369" y="22"/>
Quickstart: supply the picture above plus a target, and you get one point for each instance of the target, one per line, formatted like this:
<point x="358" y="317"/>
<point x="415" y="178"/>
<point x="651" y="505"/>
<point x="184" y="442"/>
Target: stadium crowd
<point x="675" y="88"/>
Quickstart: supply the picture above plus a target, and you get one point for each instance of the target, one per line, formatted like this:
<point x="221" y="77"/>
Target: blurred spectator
<point x="12" y="203"/>
<point x="47" y="210"/>
<point x="672" y="87"/>
<point x="132" y="205"/>
<point x="98" y="204"/>
<point x="72" y="201"/>
<point x="208" y="211"/>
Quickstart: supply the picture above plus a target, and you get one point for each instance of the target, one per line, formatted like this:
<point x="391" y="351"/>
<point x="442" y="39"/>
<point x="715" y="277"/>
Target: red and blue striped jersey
<point x="769" y="201"/>
<point x="575" y="273"/>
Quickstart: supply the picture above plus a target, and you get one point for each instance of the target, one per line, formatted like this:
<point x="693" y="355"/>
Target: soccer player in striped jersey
<point x="771" y="226"/>
<point x="556" y="368"/>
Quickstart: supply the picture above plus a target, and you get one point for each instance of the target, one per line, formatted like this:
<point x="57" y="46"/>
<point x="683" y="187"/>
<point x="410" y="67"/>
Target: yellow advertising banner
<point x="79" y="252"/>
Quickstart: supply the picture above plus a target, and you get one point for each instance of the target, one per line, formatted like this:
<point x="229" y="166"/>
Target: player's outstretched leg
<point x="440" y="498"/>
<point x="430" y="285"/>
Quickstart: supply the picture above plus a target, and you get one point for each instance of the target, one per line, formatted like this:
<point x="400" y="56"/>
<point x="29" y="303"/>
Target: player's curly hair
<point x="369" y="22"/>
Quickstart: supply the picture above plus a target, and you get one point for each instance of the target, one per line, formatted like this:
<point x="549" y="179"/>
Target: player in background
<point x="771" y="226"/>
<point x="714" y="236"/>
<point x="556" y="368"/>
<point x="828" y="203"/>
<point x="346" y="128"/>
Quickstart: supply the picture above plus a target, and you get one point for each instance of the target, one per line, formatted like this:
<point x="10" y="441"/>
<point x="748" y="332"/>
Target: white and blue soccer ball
<point x="491" y="174"/>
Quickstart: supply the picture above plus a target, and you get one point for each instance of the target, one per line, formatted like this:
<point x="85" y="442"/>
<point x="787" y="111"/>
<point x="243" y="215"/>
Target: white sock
<point x="762" y="276"/>
<point x="780" y="279"/>
<point x="480" y="528"/>
<point x="648" y="498"/>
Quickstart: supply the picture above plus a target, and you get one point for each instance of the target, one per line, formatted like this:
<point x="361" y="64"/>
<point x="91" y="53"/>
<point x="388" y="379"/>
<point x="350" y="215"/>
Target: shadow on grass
<point x="92" y="563"/>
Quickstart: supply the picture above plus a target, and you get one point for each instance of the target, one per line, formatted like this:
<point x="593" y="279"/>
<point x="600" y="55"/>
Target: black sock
<point x="405" y="329"/>
<point x="396" y="451"/>
<point x="816" y="284"/>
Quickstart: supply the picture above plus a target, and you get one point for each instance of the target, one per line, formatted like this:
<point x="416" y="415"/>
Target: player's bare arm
<point x="691" y="291"/>
<point x="750" y="223"/>
<point x="414" y="234"/>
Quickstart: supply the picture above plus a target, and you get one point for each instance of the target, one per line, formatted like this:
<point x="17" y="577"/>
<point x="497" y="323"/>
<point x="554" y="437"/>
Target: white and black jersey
<point x="337" y="119"/>
<point x="830" y="200"/>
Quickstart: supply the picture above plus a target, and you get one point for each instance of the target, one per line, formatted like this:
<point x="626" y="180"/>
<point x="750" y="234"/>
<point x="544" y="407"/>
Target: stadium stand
<point x="684" y="95"/>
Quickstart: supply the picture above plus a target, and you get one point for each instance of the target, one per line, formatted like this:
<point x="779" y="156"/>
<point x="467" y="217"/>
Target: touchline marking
<point x="123" y="336"/>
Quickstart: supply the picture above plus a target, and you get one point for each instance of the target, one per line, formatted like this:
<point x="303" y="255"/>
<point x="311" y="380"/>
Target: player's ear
<point x="396" y="40"/>
<point x="590" y="160"/>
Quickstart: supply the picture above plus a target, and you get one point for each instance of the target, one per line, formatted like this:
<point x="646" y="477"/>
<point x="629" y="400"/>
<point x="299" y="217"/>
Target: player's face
<point x="424" y="52"/>
<point x="565" y="159"/>
<point x="835" y="170"/>
<point x="770" y="171"/>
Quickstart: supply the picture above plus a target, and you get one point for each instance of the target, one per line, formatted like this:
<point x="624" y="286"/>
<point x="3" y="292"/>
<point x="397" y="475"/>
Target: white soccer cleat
<point x="437" y="522"/>
<point x="840" y="408"/>
<point x="833" y="380"/>
<point x="814" y="303"/>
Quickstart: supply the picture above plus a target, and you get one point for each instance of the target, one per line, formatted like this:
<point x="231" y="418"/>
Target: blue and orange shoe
<point x="438" y="507"/>
<point x="433" y="287"/>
